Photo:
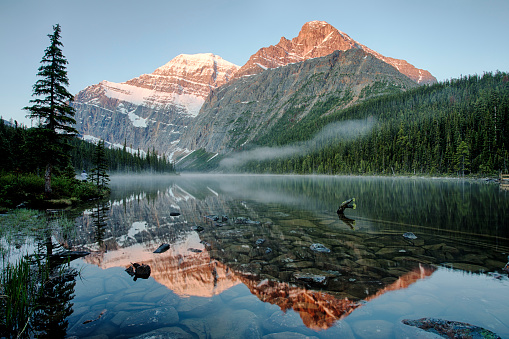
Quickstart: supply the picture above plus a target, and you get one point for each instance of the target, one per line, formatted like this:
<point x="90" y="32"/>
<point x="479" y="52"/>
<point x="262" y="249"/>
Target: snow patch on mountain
<point x="94" y="140"/>
<point x="186" y="62"/>
<point x="137" y="121"/>
<point x="150" y="98"/>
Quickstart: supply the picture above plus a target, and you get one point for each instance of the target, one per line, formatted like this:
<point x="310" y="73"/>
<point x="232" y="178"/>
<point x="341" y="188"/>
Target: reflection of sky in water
<point x="203" y="287"/>
<point x="477" y="299"/>
<point x="448" y="294"/>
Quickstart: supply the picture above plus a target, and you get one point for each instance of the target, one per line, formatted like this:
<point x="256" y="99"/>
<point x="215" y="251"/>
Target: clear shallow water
<point x="259" y="276"/>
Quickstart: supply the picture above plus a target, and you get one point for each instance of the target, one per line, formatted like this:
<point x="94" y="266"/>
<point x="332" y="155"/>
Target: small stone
<point x="260" y="241"/>
<point x="145" y="320"/>
<point x="409" y="235"/>
<point x="162" y="248"/>
<point x="319" y="248"/>
<point x="311" y="278"/>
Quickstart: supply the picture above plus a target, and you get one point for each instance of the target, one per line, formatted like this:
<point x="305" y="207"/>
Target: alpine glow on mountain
<point x="167" y="110"/>
<point x="151" y="111"/>
<point x="318" y="39"/>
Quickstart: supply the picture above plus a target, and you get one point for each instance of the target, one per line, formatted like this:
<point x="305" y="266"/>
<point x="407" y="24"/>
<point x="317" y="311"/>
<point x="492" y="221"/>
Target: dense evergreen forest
<point x="120" y="160"/>
<point x="456" y="127"/>
<point x="20" y="152"/>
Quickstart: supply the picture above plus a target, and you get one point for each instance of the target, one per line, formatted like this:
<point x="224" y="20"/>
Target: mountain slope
<point x="152" y="110"/>
<point x="277" y="99"/>
<point x="317" y="39"/>
<point x="454" y="128"/>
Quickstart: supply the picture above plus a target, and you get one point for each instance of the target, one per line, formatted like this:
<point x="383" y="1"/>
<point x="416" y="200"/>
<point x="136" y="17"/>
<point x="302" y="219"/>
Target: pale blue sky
<point x="117" y="40"/>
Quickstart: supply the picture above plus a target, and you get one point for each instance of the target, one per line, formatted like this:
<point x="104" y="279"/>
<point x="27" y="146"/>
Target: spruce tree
<point x="99" y="173"/>
<point x="51" y="109"/>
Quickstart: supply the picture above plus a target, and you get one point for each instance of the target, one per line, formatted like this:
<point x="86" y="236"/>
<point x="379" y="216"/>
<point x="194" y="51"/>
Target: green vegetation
<point x="456" y="127"/>
<point x="22" y="168"/>
<point x="119" y="160"/>
<point x="99" y="175"/>
<point x="34" y="290"/>
<point x="39" y="164"/>
<point x="28" y="189"/>
<point x="17" y="287"/>
<point x="200" y="161"/>
<point x="54" y="114"/>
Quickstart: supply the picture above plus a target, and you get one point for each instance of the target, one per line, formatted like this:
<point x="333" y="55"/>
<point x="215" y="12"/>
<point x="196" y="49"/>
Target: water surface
<point x="254" y="256"/>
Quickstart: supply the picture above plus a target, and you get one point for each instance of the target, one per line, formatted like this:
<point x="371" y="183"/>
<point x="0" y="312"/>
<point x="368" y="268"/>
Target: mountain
<point x="318" y="39"/>
<point x="172" y="110"/>
<point x="152" y="110"/>
<point x="278" y="99"/>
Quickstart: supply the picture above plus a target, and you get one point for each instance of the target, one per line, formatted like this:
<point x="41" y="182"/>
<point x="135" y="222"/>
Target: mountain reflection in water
<point x="188" y="273"/>
<point x="270" y="251"/>
<point x="184" y="272"/>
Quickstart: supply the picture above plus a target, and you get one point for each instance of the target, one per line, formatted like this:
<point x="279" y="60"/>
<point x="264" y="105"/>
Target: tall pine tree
<point x="99" y="173"/>
<point x="51" y="109"/>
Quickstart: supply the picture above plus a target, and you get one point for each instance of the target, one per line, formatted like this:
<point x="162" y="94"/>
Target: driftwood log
<point x="350" y="203"/>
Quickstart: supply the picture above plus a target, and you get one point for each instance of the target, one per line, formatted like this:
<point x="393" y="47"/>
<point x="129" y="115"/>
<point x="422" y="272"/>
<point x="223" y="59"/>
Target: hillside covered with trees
<point x="456" y="127"/>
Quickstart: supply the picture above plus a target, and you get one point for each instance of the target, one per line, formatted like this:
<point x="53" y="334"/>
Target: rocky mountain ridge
<point x="246" y="108"/>
<point x="167" y="110"/>
<point x="318" y="39"/>
<point x="152" y="110"/>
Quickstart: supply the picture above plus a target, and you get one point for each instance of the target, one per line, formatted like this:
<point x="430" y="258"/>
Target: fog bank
<point x="332" y="133"/>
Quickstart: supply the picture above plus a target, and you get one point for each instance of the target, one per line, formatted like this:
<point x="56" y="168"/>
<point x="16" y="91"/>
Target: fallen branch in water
<point x="346" y="204"/>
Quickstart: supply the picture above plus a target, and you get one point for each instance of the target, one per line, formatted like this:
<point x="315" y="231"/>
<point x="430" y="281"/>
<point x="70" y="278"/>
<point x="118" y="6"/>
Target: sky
<point x="117" y="40"/>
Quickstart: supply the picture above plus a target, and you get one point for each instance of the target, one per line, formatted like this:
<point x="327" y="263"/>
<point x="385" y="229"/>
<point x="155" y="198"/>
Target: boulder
<point x="138" y="271"/>
<point x="450" y="329"/>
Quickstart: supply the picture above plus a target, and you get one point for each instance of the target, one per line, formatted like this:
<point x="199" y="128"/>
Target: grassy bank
<point x="28" y="190"/>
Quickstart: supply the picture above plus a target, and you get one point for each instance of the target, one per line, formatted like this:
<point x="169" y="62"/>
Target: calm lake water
<point x="267" y="256"/>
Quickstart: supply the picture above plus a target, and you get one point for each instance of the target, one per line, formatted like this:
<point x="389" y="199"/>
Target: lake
<point x="268" y="256"/>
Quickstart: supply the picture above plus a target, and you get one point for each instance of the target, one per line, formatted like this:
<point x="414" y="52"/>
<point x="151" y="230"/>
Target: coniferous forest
<point x="20" y="153"/>
<point x="456" y="127"/>
<point x="119" y="159"/>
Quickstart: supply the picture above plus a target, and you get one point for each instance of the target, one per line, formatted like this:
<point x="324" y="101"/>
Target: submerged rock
<point x="246" y="221"/>
<point x="162" y="248"/>
<point x="149" y="319"/>
<point x="409" y="235"/>
<point x="311" y="278"/>
<point x="450" y="329"/>
<point x="319" y="248"/>
<point x="166" y="333"/>
<point x="260" y="241"/>
<point x="197" y="228"/>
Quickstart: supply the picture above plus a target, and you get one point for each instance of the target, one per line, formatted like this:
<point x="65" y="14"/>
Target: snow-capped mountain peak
<point x="160" y="103"/>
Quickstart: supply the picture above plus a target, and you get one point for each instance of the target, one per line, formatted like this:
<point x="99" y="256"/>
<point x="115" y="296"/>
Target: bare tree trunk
<point x="47" y="180"/>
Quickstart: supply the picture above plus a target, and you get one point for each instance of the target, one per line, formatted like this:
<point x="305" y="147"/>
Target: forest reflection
<point x="275" y="225"/>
